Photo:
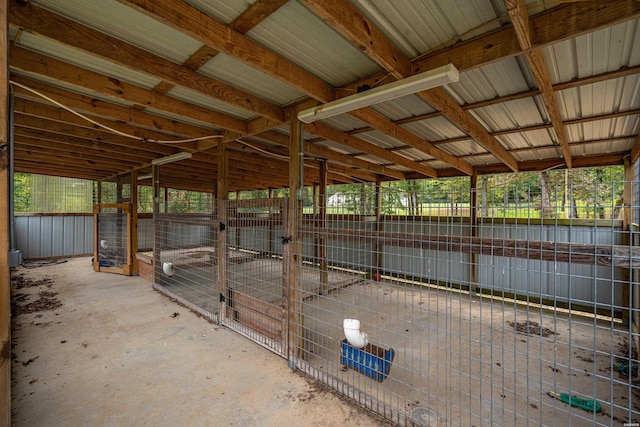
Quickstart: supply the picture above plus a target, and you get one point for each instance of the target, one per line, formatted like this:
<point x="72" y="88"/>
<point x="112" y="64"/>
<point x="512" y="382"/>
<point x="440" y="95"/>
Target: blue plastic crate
<point x="372" y="361"/>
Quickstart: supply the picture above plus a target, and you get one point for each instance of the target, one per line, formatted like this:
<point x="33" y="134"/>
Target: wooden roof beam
<point x="251" y="17"/>
<point x="576" y="18"/>
<point x="372" y="149"/>
<point x="346" y="19"/>
<point x="334" y="156"/>
<point x="40" y="21"/>
<point x="187" y="19"/>
<point x="42" y="65"/>
<point x="520" y="21"/>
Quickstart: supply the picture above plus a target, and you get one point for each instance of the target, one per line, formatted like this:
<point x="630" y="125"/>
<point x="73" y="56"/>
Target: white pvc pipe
<point x="353" y="334"/>
<point x="167" y="268"/>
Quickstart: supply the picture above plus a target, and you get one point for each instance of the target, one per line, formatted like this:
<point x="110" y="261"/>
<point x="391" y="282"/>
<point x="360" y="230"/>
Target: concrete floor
<point x="106" y="350"/>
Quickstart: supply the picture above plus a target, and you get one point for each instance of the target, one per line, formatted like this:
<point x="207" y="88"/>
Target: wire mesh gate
<point x="253" y="268"/>
<point x="112" y="238"/>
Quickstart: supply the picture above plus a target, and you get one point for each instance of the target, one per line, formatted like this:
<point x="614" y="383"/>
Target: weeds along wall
<point x="499" y="321"/>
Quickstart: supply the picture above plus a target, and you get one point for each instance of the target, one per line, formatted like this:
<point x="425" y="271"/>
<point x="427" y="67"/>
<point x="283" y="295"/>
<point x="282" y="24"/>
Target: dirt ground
<point x="106" y="350"/>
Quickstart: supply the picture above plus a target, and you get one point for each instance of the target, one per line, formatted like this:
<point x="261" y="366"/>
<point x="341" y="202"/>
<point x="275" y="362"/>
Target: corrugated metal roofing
<point x="85" y="60"/>
<point x="126" y="24"/>
<point x="300" y="36"/>
<point x="600" y="117"/>
<point x="419" y="26"/>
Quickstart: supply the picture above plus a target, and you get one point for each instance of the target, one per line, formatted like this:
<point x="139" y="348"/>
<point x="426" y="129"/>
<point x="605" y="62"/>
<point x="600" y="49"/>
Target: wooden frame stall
<point x="112" y="246"/>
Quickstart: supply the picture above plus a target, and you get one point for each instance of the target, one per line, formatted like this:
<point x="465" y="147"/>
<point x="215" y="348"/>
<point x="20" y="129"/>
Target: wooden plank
<point x="575" y="253"/>
<point x="256" y="314"/>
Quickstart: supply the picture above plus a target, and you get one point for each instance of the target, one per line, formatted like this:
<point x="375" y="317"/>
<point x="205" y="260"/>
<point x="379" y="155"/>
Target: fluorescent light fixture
<point x="143" y="177"/>
<point x="423" y="81"/>
<point x="183" y="155"/>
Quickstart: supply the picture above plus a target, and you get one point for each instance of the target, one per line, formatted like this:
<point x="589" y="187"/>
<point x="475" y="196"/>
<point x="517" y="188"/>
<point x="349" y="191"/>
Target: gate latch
<point x="286" y="239"/>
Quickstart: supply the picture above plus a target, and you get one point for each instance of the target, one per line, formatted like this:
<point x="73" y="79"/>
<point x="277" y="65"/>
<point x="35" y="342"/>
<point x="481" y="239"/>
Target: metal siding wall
<point x="53" y="236"/>
<point x="560" y="281"/>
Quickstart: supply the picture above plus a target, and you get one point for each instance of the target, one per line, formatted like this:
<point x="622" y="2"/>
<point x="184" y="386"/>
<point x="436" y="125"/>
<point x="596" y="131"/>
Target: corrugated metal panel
<point x="127" y="24"/>
<point x="462" y="148"/>
<point x="300" y="36"/>
<point x="488" y="82"/>
<point x="402" y="108"/>
<point x="482" y="160"/>
<point x="223" y="11"/>
<point x="343" y="149"/>
<point x="54" y="236"/>
<point x="509" y="115"/>
<point x="419" y="26"/>
<point x="84" y="60"/>
<point x="380" y="139"/>
<point x="345" y="123"/>
<point x="434" y="129"/>
<point x="603" y="147"/>
<point x="229" y="70"/>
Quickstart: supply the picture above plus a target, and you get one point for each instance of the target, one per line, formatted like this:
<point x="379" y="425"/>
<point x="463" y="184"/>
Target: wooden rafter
<point x="577" y="18"/>
<point x="191" y="21"/>
<point x="520" y="21"/>
<point x="345" y="18"/>
<point x="351" y="141"/>
<point x="251" y="17"/>
<point x="40" y="21"/>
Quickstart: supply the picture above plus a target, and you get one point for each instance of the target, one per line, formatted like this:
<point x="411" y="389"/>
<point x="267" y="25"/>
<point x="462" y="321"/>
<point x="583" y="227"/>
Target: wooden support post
<point x="378" y="226"/>
<point x="223" y="226"/>
<point x="5" y="273"/>
<point x="133" y="248"/>
<point x="627" y="213"/>
<point x="322" y="224"/>
<point x="99" y="195"/>
<point x="292" y="248"/>
<point x="270" y="246"/>
<point x="473" y="224"/>
<point x="155" y="178"/>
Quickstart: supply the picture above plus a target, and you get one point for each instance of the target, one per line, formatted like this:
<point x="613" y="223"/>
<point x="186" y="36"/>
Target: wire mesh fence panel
<point x="185" y="260"/>
<point x="255" y="270"/>
<point x="495" y="321"/>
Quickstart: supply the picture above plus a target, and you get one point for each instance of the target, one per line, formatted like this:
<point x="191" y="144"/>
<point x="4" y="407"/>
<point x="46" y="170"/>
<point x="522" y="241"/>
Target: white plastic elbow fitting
<point x="353" y="334"/>
<point x="167" y="268"/>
